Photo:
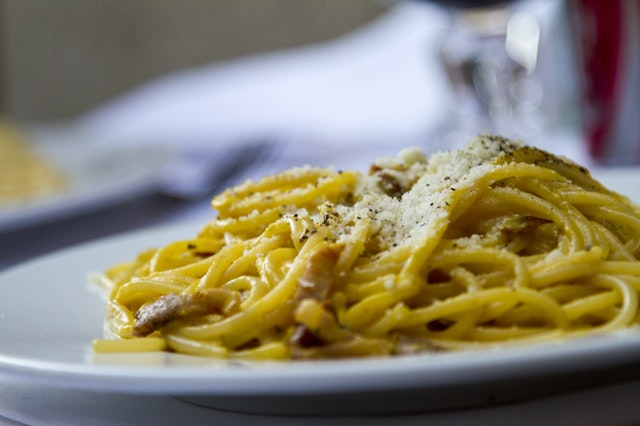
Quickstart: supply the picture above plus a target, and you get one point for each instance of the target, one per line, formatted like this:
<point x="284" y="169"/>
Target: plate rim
<point x="457" y="368"/>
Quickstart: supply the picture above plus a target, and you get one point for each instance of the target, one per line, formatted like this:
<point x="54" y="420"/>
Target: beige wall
<point x="61" y="57"/>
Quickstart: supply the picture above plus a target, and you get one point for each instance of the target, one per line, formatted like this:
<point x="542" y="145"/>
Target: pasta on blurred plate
<point x="24" y="174"/>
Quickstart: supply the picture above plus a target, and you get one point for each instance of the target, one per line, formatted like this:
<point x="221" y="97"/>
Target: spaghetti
<point x="494" y="244"/>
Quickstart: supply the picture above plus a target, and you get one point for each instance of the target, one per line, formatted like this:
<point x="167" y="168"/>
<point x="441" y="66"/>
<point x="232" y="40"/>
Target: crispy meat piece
<point x="390" y="185"/>
<point x="387" y="182"/>
<point x="318" y="278"/>
<point x="405" y="345"/>
<point x="155" y="315"/>
<point x="315" y="285"/>
<point x="520" y="224"/>
<point x="305" y="338"/>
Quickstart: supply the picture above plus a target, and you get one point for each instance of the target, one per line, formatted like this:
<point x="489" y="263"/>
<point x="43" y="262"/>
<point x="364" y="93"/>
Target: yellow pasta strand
<point x="493" y="245"/>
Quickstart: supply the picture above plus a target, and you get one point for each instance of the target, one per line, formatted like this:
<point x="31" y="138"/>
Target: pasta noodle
<point x="24" y="175"/>
<point x="495" y="244"/>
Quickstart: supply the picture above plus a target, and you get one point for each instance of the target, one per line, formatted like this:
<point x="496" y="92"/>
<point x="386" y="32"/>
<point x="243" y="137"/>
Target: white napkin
<point x="381" y="84"/>
<point x="371" y="92"/>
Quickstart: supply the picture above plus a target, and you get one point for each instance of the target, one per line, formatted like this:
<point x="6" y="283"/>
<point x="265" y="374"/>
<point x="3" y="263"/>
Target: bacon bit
<point x="155" y="315"/>
<point x="404" y="345"/>
<point x="520" y="224"/>
<point x="390" y="185"/>
<point x="305" y="338"/>
<point x="374" y="168"/>
<point x="318" y="278"/>
<point x="316" y="283"/>
<point x="204" y="254"/>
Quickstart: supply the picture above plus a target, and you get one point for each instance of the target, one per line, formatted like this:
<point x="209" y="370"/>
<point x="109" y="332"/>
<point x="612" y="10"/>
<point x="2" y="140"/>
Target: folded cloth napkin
<point x="371" y="92"/>
<point x="381" y="84"/>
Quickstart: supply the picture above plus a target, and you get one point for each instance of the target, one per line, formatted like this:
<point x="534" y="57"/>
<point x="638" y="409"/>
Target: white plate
<point x="625" y="180"/>
<point x="97" y="176"/>
<point x="49" y="315"/>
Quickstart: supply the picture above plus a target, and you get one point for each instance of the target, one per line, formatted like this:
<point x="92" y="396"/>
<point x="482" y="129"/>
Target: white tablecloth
<point x="25" y="403"/>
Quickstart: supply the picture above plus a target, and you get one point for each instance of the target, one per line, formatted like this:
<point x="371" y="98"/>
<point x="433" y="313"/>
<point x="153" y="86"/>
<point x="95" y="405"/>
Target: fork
<point x="198" y="173"/>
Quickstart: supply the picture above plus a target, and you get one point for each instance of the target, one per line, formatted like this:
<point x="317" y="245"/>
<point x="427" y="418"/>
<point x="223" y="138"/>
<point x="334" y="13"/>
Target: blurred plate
<point x="97" y="176"/>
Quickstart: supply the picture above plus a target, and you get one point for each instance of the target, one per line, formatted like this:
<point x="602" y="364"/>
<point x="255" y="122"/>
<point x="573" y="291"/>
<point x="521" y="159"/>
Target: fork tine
<point x="200" y="174"/>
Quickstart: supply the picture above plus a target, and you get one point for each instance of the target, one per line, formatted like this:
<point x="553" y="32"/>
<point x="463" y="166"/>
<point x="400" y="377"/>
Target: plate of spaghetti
<point x="487" y="274"/>
<point x="54" y="174"/>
